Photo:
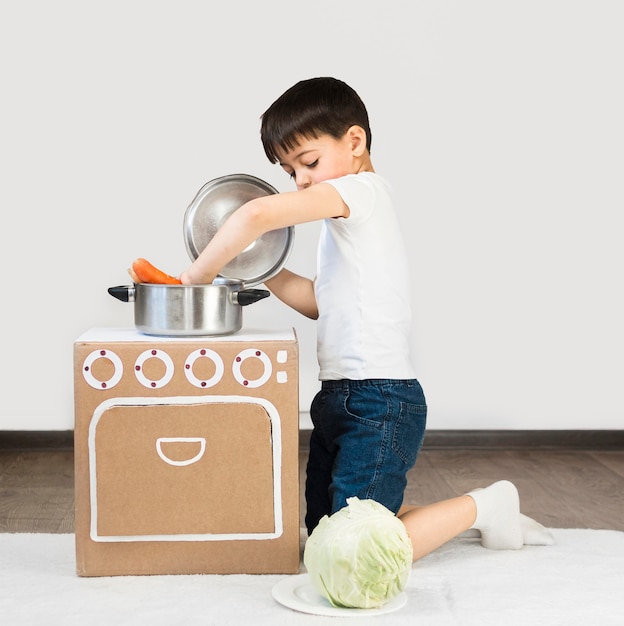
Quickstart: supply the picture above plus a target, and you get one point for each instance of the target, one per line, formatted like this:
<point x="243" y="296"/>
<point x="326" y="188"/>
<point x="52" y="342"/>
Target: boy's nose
<point x="303" y="181"/>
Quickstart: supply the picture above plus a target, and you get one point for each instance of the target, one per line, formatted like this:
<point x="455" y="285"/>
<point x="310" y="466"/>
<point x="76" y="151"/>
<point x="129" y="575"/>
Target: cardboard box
<point x="186" y="453"/>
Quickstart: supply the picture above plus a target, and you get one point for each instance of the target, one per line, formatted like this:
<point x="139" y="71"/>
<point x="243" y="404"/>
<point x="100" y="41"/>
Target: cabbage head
<point x="359" y="557"/>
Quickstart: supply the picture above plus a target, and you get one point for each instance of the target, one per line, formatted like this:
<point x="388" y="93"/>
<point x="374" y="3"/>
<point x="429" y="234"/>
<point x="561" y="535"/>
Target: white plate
<point x="298" y="593"/>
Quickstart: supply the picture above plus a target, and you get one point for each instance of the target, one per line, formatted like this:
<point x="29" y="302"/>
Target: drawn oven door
<point x="183" y="469"/>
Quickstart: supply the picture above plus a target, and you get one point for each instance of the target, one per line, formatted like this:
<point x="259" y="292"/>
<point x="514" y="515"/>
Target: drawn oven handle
<point x="166" y="459"/>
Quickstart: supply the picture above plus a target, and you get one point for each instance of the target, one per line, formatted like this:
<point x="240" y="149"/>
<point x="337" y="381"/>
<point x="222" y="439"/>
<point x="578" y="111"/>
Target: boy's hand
<point x="191" y="277"/>
<point x="185" y="279"/>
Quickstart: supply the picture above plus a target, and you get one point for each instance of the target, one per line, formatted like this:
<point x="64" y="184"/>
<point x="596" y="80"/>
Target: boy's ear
<point x="357" y="137"/>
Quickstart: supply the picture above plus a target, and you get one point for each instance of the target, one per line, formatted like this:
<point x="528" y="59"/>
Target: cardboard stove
<point x="186" y="453"/>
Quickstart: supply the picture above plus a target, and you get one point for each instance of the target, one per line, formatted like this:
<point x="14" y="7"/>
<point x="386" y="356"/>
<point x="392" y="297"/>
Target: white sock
<point x="498" y="516"/>
<point x="533" y="533"/>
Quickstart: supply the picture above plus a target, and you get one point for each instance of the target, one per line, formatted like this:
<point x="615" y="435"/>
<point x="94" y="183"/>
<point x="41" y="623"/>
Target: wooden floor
<point x="562" y="488"/>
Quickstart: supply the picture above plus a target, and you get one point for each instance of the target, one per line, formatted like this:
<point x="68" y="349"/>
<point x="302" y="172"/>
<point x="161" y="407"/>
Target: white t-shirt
<point x="362" y="286"/>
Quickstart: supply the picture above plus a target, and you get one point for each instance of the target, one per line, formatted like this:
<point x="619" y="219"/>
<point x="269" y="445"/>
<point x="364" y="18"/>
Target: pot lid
<point x="211" y="207"/>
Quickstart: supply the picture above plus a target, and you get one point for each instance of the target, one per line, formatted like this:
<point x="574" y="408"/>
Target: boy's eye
<point x="307" y="165"/>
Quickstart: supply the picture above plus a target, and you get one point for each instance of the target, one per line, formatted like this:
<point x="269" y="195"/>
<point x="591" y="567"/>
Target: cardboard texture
<point x="186" y="453"/>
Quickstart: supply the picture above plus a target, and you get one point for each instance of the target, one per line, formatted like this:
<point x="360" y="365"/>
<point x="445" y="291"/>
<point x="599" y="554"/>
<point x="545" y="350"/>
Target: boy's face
<point x="319" y="159"/>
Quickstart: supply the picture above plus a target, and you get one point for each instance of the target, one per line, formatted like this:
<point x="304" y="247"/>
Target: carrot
<point x="145" y="272"/>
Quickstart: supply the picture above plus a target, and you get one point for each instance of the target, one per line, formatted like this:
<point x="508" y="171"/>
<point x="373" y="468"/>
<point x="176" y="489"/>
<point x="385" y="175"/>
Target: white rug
<point x="579" y="581"/>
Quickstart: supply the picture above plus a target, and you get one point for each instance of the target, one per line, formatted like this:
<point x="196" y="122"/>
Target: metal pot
<point x="181" y="310"/>
<point x="186" y="310"/>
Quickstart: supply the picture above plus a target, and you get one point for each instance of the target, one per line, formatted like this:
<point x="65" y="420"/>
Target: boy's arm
<point x="259" y="216"/>
<point x="295" y="291"/>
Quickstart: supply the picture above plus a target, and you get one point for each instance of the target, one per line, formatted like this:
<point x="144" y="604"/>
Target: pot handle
<point x="249" y="296"/>
<point x="125" y="293"/>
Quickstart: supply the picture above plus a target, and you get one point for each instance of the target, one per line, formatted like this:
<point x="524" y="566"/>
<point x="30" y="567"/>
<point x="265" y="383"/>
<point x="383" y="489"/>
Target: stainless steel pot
<point x="185" y="310"/>
<point x="188" y="310"/>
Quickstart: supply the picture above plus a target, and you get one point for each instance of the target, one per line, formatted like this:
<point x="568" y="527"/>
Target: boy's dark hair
<point x="311" y="108"/>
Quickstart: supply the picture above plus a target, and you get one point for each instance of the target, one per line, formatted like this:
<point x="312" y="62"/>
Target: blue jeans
<point x="366" y="437"/>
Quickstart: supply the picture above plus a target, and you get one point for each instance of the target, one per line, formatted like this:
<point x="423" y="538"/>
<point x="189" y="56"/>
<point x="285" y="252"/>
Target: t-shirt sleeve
<point x="357" y="193"/>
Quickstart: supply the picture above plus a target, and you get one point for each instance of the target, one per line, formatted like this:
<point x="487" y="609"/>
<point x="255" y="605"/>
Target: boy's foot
<point x="498" y="516"/>
<point x="533" y="533"/>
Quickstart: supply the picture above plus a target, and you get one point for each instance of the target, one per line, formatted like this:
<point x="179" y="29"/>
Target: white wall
<point x="499" y="123"/>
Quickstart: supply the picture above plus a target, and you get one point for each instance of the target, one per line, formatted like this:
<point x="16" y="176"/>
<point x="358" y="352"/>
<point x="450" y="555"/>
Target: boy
<point x="369" y="416"/>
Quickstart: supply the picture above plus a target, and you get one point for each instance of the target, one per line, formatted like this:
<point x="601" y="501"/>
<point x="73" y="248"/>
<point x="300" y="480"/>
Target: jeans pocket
<point x="409" y="431"/>
<point x="367" y="406"/>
